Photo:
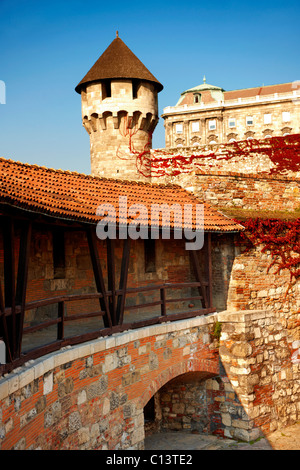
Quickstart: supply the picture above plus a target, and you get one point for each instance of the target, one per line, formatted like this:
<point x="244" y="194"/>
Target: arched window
<point x="197" y="98"/>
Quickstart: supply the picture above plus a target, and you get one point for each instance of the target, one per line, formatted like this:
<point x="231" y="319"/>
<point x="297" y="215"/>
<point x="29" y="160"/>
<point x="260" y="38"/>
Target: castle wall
<point x="92" y="396"/>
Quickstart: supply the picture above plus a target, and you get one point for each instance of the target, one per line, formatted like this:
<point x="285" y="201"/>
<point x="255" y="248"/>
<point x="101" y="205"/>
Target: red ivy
<point x="284" y="153"/>
<point x="280" y="237"/>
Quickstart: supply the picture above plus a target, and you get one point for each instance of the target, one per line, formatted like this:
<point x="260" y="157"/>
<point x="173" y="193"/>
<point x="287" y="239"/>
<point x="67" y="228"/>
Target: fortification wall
<point x="92" y="396"/>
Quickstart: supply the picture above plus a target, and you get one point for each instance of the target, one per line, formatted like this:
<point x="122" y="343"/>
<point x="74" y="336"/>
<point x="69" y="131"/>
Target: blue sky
<point x="47" y="48"/>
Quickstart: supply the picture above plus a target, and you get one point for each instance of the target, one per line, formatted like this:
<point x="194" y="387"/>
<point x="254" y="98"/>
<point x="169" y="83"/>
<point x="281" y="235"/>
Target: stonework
<point x="120" y="127"/>
<point x="93" y="396"/>
<point x="264" y="369"/>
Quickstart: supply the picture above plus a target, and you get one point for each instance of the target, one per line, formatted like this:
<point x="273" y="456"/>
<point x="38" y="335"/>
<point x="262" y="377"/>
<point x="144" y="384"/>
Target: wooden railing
<point x="62" y="317"/>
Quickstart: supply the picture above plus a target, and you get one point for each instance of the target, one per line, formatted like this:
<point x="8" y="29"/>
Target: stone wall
<point x="92" y="396"/>
<point x="263" y="364"/>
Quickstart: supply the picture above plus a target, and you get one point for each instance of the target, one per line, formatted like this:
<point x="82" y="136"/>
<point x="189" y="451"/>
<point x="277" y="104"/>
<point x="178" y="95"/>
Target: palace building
<point x="208" y="115"/>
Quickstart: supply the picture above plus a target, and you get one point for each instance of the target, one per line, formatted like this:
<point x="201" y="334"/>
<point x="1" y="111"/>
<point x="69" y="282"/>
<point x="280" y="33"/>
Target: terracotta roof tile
<point x="262" y="91"/>
<point x="75" y="197"/>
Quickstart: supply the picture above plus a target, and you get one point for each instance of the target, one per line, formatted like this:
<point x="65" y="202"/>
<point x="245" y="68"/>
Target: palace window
<point x="179" y="128"/>
<point x="212" y="125"/>
<point x="195" y="126"/>
<point x="286" y="116"/>
<point x="249" y="121"/>
<point x="231" y="122"/>
<point x="267" y="118"/>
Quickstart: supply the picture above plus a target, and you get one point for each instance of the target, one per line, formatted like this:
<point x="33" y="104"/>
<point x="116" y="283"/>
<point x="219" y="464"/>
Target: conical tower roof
<point x="118" y="61"/>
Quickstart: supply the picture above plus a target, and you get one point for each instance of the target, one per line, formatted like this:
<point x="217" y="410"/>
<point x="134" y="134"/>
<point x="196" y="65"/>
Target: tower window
<point x="150" y="258"/>
<point x="106" y="89"/>
<point x="59" y="254"/>
<point x="135" y="85"/>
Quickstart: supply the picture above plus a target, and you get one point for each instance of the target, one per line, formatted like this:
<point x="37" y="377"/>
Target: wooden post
<point x="208" y="264"/>
<point x="123" y="281"/>
<point x="22" y="278"/>
<point x="61" y="317"/>
<point x="111" y="276"/>
<point x="197" y="270"/>
<point x="163" y="300"/>
<point x="9" y="280"/>
<point x="3" y="326"/>
<point x="92" y="241"/>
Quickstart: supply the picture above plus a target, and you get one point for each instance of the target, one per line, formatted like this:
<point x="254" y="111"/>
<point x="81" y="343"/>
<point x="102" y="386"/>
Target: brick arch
<point x="192" y="365"/>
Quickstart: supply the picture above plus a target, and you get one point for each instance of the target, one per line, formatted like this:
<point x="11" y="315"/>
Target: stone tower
<point x="120" y="112"/>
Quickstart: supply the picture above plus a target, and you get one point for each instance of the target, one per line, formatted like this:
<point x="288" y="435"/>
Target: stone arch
<point x="86" y="124"/>
<point x="179" y="142"/>
<point x="106" y="116"/>
<point x="192" y="409"/>
<point x="232" y="137"/>
<point x="94" y="121"/>
<point x="267" y="133"/>
<point x="199" y="365"/>
<point x="122" y="119"/>
<point x="212" y="139"/>
<point x="286" y="130"/>
<point x="249" y="135"/>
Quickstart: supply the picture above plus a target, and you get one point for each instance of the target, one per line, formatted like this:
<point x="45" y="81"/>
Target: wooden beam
<point x="22" y="277"/>
<point x="9" y="280"/>
<point x="3" y="326"/>
<point x="111" y="276"/>
<point x="197" y="270"/>
<point x="208" y="264"/>
<point x="123" y="280"/>
<point x="92" y="241"/>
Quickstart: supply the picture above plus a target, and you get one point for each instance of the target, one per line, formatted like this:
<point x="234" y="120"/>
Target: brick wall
<point x="92" y="396"/>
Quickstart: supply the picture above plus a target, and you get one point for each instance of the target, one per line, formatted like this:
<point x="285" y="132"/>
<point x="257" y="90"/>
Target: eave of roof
<point x="76" y="197"/>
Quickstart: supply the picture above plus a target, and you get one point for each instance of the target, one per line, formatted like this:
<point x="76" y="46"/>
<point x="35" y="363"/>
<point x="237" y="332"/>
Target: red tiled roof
<point x="262" y="91"/>
<point x="75" y="197"/>
<point x="242" y="93"/>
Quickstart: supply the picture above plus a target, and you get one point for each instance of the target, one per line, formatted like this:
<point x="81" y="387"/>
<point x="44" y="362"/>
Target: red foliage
<point x="280" y="237"/>
<point x="284" y="153"/>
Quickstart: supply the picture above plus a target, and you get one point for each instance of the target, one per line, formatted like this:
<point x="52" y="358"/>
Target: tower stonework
<point x="120" y="113"/>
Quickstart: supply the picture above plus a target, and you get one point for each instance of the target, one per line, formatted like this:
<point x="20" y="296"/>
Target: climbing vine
<point x="283" y="152"/>
<point x="280" y="237"/>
